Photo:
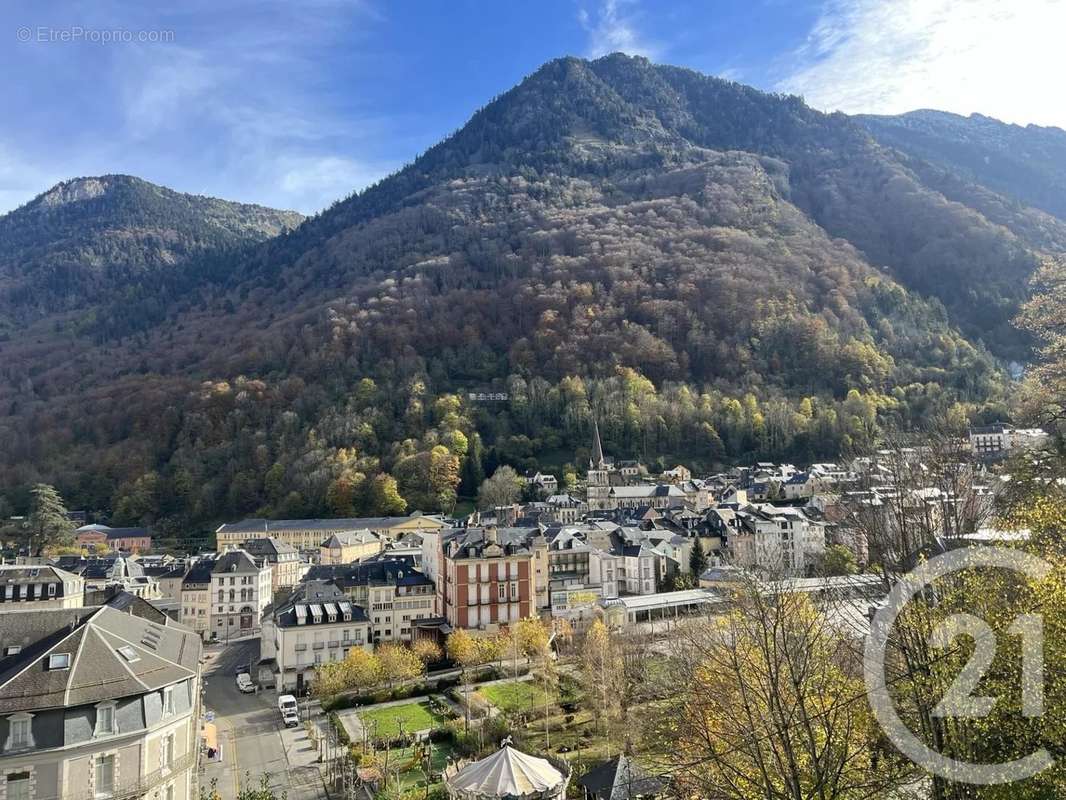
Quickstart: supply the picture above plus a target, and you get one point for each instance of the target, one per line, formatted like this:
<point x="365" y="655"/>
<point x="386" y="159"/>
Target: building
<point x="105" y="575"/>
<point x="997" y="441"/>
<point x="491" y="576"/>
<point x="393" y="593"/>
<point x="316" y="624"/>
<point x="286" y="566"/>
<point x="33" y="587"/>
<point x="127" y="540"/>
<point x="308" y="534"/>
<point x="543" y="484"/>
<point x="621" y="778"/>
<point x="196" y="598"/>
<point x="240" y="590"/>
<point x="774" y="539"/>
<point x="565" y="509"/>
<point x="349" y="546"/>
<point x="169" y="578"/>
<point x="98" y="703"/>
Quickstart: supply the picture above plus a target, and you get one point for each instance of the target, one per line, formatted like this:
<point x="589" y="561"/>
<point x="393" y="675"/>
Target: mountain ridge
<point x="712" y="271"/>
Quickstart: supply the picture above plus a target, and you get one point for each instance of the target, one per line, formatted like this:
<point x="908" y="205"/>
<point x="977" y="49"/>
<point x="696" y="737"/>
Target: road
<point x="252" y="739"/>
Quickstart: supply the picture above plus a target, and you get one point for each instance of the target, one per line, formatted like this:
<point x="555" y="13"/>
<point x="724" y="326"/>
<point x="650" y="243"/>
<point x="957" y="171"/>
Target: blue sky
<point x="296" y="104"/>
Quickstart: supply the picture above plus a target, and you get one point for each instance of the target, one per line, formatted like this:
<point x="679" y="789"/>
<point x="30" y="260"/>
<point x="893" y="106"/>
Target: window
<point x="168" y="700"/>
<point x="20" y="732"/>
<point x="105" y="719"/>
<point x="59" y="661"/>
<point x="13" y="650"/>
<point x="105" y="776"/>
<point x="128" y="653"/>
<point x="18" y="786"/>
<point x="501" y="593"/>
<point x="166" y="751"/>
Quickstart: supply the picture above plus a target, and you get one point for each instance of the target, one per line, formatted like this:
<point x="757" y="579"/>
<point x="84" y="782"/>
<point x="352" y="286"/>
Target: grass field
<point x="384" y="723"/>
<point x="513" y="697"/>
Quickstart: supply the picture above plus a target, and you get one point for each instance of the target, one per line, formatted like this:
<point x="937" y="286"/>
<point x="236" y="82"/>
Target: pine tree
<point x="697" y="561"/>
<point x="49" y="524"/>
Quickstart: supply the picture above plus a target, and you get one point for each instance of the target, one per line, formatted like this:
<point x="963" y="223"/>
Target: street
<point x="251" y="736"/>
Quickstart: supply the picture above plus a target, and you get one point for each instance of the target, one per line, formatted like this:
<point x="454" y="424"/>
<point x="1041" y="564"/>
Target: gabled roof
<point x="236" y="561"/>
<point x="268" y="546"/>
<point x="153" y="656"/>
<point x="350" y="539"/>
<point x="620" y="779"/>
<point x="115" y="533"/>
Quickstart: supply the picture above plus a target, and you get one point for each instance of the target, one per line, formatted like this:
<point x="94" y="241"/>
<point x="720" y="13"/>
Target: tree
<point x="502" y="489"/>
<point x="398" y="663"/>
<point x="764" y="702"/>
<point x="49" y="525"/>
<point x="838" y="560"/>
<point x="382" y="496"/>
<point x="427" y="650"/>
<point x="697" y="561"/>
<point x="464" y="651"/>
<point x="600" y="668"/>
<point x="362" y="670"/>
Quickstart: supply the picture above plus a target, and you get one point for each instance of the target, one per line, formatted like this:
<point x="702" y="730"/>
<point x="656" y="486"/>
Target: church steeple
<point x="596" y="459"/>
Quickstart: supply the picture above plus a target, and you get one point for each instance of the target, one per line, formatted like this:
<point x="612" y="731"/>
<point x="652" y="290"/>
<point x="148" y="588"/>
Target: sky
<point x="298" y="103"/>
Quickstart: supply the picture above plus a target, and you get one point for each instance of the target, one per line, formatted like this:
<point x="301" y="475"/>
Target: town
<point x="346" y="657"/>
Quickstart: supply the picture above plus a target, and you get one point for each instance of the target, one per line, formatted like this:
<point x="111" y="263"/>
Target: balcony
<point x="300" y="648"/>
<point x="142" y="785"/>
<point x="319" y="645"/>
<point x="334" y="644"/>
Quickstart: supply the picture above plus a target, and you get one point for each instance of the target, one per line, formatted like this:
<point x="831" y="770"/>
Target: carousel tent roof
<point x="507" y="773"/>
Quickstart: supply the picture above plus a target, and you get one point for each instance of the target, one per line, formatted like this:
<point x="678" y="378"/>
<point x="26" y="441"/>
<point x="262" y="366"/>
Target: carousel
<point x="507" y="773"/>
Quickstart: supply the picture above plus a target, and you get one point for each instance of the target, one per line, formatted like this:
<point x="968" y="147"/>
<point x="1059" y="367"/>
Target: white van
<point x="290" y="712"/>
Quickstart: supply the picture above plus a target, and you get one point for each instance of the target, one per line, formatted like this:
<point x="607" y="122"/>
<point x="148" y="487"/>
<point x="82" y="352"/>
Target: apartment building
<point x="127" y="540"/>
<point x="308" y="534"/>
<point x="286" y="566"/>
<point x="350" y="546"/>
<point x="98" y="703"/>
<point x="775" y="539"/>
<point x="240" y="590"/>
<point x="490" y="577"/>
<point x="393" y="593"/>
<point x="316" y="624"/>
<point x="33" y="587"/>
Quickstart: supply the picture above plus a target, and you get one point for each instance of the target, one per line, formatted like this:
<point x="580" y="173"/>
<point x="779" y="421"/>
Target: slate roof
<point x="268" y="547"/>
<point x="235" y="561"/>
<point x="16" y="574"/>
<point x="386" y="572"/>
<point x="317" y="593"/>
<point x="161" y="655"/>
<point x="265" y="526"/>
<point x="620" y="779"/>
<point x="115" y="533"/>
<point x="350" y="538"/>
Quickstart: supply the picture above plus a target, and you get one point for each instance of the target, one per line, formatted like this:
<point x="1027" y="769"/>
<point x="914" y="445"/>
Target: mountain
<point x="711" y="271"/>
<point x="1027" y="164"/>
<point x="88" y="239"/>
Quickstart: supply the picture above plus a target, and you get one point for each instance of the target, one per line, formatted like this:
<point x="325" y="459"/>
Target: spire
<point x="596" y="459"/>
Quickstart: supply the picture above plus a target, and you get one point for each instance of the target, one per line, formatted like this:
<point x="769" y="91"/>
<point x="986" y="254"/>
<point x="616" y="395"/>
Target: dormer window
<point x="12" y="650"/>
<point x="105" y="719"/>
<point x="168" y="701"/>
<point x="20" y="732"/>
<point x="58" y="661"/>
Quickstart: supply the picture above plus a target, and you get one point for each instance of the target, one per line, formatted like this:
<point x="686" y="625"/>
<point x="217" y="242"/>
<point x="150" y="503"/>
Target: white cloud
<point x="889" y="56"/>
<point x="312" y="183"/>
<point x="612" y="28"/>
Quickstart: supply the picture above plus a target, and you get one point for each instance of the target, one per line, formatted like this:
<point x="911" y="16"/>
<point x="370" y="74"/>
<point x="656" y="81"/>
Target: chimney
<point x="491" y="535"/>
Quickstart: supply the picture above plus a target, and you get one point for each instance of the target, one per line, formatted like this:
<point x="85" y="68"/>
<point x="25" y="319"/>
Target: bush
<point x="342" y="734"/>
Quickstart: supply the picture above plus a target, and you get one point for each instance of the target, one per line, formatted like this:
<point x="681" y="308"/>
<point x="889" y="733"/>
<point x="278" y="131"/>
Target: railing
<point x="334" y="644"/>
<point x="319" y="645"/>
<point x="142" y="785"/>
<point x="300" y="648"/>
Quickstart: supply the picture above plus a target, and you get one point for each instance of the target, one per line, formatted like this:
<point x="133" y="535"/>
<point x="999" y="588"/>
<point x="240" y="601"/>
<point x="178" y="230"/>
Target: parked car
<point x="290" y="718"/>
<point x="241" y="668"/>
<point x="244" y="683"/>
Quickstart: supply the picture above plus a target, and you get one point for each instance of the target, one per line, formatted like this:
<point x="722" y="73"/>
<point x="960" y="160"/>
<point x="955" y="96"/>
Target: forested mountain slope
<point x="1027" y="164"/>
<point x="713" y="271"/>
<point x="87" y="240"/>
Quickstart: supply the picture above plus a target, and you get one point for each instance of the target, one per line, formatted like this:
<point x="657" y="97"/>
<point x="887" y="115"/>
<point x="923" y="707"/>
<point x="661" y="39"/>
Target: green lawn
<point x="411" y="774"/>
<point x="513" y="697"/>
<point x="384" y="723"/>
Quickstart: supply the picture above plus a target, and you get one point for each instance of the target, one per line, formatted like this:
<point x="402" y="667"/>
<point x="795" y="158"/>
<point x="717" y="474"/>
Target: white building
<point x="317" y="624"/>
<point x="240" y="589"/>
<point x="775" y="539"/>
